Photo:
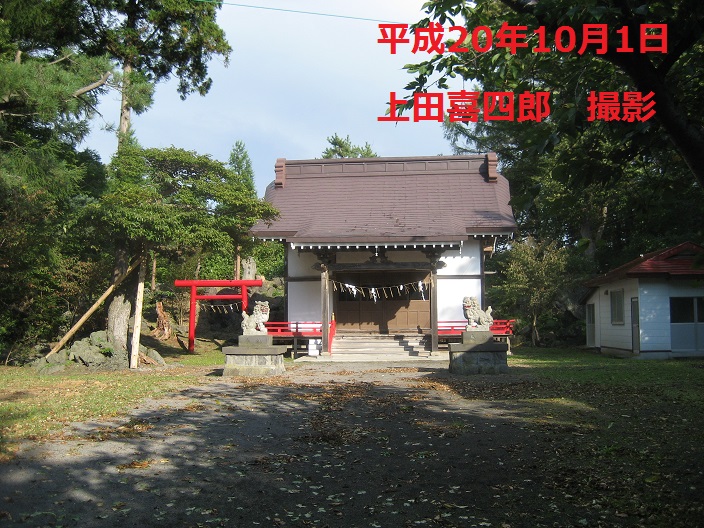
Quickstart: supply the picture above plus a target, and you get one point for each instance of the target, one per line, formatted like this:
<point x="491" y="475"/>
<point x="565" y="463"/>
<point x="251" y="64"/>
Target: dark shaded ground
<point x="365" y="445"/>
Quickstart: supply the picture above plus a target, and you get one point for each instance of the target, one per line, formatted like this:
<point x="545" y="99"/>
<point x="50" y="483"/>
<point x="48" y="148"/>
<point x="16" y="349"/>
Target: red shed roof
<point x="415" y="200"/>
<point x="684" y="261"/>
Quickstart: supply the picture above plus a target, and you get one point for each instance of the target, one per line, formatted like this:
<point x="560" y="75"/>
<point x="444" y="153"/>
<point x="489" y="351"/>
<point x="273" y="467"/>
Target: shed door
<point x="591" y="325"/>
<point x="635" y="325"/>
<point x="687" y="325"/>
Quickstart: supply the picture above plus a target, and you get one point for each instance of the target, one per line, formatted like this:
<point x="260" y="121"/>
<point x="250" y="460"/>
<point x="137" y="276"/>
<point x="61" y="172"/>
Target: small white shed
<point x="651" y="307"/>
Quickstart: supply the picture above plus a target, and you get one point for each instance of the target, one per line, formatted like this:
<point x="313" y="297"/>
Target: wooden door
<point x="390" y="309"/>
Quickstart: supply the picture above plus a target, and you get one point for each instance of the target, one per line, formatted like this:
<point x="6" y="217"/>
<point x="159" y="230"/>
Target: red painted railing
<point x="500" y="327"/>
<point x="310" y="329"/>
<point x="294" y="329"/>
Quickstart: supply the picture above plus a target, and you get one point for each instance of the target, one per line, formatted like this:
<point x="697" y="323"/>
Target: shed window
<point x="681" y="309"/>
<point x="617" y="307"/>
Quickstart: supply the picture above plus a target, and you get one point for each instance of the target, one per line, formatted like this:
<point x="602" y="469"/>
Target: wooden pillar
<point x="482" y="273"/>
<point x="137" y="326"/>
<point x="434" y="346"/>
<point x="325" y="305"/>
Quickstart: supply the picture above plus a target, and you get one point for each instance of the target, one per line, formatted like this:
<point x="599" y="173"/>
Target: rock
<point x="153" y="354"/>
<point x="87" y="354"/>
<point x="60" y="357"/>
<point x="43" y="366"/>
<point x="100" y="339"/>
<point x="117" y="360"/>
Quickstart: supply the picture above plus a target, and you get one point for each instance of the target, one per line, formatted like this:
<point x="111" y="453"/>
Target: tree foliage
<point x="176" y="200"/>
<point x="533" y="278"/>
<point x="152" y="40"/>
<point x="241" y="164"/>
<point x="343" y="148"/>
<point x="63" y="214"/>
<point x="672" y="76"/>
<point x="47" y="93"/>
<point x="603" y="190"/>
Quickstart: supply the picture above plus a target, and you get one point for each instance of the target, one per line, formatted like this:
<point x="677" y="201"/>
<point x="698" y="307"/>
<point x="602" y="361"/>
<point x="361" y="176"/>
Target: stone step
<point x="379" y="344"/>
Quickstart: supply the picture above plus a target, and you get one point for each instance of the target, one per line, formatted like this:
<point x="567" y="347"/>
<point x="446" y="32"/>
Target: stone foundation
<point x="255" y="355"/>
<point x="478" y="353"/>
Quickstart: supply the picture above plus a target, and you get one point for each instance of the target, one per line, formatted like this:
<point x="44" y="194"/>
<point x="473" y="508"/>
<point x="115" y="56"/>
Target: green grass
<point x="678" y="378"/>
<point x="205" y="358"/>
<point x="33" y="406"/>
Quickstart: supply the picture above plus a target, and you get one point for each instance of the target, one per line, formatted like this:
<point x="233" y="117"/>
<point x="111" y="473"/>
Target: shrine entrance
<point x="384" y="302"/>
<point x="195" y="297"/>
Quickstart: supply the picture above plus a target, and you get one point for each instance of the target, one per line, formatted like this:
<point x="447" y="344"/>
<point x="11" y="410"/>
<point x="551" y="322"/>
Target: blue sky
<point x="293" y="80"/>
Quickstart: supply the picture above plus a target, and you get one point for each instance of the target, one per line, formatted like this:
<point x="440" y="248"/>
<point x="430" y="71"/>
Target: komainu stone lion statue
<point x="477" y="319"/>
<point x="254" y="324"/>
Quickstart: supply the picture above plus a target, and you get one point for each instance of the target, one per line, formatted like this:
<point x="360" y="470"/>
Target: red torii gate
<point x="195" y="284"/>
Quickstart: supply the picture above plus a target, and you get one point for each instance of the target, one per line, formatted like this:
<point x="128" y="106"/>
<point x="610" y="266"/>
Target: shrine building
<point x="387" y="245"/>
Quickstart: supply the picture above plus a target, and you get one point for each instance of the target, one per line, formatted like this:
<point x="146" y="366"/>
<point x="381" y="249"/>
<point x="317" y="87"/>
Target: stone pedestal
<point x="478" y="353"/>
<point x="255" y="355"/>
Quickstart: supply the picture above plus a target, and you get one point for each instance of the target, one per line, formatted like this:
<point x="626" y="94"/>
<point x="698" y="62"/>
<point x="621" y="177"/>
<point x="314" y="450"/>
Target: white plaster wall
<point x="304" y="301"/>
<point x="466" y="262"/>
<point x="363" y="255"/>
<point x="353" y="257"/>
<point x="450" y="295"/>
<point x="618" y="335"/>
<point x="301" y="264"/>
<point x="654" y="315"/>
<point x="406" y="256"/>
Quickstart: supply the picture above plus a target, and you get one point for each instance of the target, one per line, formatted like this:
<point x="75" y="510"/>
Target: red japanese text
<point x="464" y="106"/>
<point x="645" y="38"/>
<point x="616" y="106"/>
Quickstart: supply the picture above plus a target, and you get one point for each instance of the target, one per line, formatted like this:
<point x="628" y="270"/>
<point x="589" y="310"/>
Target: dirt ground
<point x="360" y="445"/>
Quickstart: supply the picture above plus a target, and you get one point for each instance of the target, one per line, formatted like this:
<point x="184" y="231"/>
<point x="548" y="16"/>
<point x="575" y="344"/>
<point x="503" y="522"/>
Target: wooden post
<point x="434" y="310"/>
<point x="238" y="263"/>
<point x="137" y="327"/>
<point x="325" y="306"/>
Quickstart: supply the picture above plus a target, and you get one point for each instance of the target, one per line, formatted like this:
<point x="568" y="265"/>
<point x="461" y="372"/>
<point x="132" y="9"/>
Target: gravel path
<point x="325" y="445"/>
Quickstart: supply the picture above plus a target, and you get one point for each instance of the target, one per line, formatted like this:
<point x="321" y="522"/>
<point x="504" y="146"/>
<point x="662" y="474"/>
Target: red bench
<point x="293" y="331"/>
<point x="501" y="327"/>
<point x="452" y="330"/>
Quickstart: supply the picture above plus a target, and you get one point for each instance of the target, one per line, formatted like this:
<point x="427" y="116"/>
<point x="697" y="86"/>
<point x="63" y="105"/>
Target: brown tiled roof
<point x="682" y="261"/>
<point x="388" y="200"/>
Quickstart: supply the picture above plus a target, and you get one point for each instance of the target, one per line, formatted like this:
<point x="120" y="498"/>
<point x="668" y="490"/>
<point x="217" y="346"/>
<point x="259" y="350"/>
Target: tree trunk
<point x="125" y="106"/>
<point x="120" y="307"/>
<point x="535" y="337"/>
<point x="238" y="263"/>
<point x="137" y="327"/>
<point x="587" y="232"/>
<point x="153" y="283"/>
<point x="684" y="135"/>
<point x="163" y="326"/>
<point x="118" y="321"/>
